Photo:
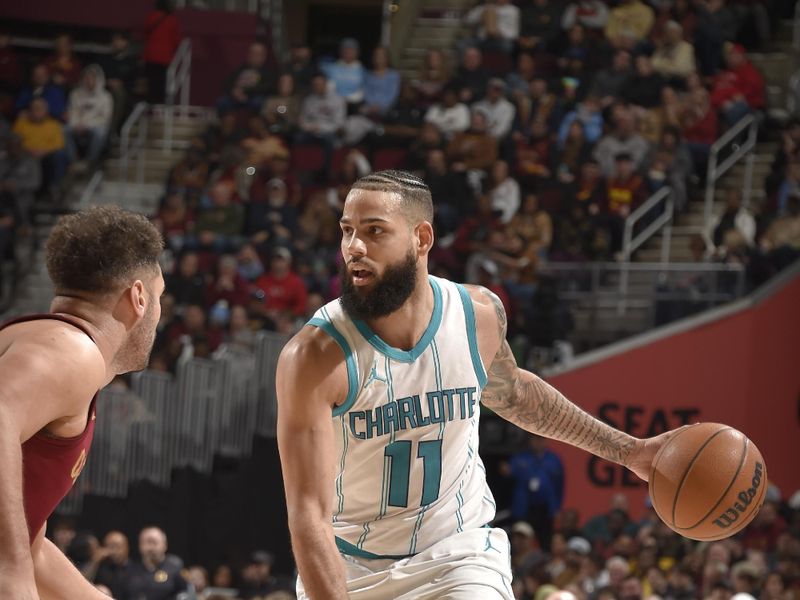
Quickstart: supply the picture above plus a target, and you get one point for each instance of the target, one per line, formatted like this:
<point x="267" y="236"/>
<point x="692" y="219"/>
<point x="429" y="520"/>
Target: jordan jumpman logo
<point x="373" y="375"/>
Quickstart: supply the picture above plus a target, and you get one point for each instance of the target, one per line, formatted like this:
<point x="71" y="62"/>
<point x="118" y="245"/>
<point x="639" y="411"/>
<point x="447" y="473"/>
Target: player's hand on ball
<point x="641" y="458"/>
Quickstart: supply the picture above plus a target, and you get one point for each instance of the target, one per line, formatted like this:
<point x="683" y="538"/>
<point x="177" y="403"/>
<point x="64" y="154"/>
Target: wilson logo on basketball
<point x="731" y="514"/>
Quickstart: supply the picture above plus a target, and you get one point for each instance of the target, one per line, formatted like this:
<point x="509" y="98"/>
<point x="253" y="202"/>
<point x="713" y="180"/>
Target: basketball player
<point x="104" y="266"/>
<point x="378" y="417"/>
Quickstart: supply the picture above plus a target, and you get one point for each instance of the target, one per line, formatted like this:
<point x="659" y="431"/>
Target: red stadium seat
<point x="307" y="158"/>
<point x="389" y="158"/>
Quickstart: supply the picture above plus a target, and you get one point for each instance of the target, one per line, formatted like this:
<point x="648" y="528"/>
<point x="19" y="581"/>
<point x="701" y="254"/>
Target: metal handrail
<point x="716" y="170"/>
<point x="91" y="188"/>
<point x="630" y="244"/>
<point x="179" y="79"/>
<point x="134" y="149"/>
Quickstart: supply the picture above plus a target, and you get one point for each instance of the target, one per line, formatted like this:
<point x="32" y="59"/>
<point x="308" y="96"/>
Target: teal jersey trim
<point x="407" y="355"/>
<point x="352" y="371"/>
<point x="472" y="335"/>
<point x="351" y="550"/>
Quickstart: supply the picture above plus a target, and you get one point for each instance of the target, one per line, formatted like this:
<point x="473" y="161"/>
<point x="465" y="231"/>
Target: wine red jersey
<point x="50" y="465"/>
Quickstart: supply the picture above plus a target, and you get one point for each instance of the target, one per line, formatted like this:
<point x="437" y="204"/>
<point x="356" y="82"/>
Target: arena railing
<point x="251" y="6"/>
<point x="179" y="82"/>
<point x="731" y="141"/>
<point x="133" y="148"/>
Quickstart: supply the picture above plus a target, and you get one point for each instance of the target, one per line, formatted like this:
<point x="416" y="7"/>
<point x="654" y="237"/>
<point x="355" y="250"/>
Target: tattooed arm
<point x="534" y="405"/>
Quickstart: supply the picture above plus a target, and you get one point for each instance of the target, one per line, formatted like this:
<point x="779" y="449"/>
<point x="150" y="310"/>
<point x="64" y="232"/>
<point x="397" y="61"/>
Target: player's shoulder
<point x="56" y="343"/>
<point x="485" y="302"/>
<point x="312" y="366"/>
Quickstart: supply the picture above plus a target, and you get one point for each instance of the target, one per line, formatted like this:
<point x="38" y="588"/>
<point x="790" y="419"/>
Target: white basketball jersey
<point x="408" y="471"/>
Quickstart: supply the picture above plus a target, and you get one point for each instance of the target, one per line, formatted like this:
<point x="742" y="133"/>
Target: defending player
<point x="104" y="266"/>
<point x="378" y="417"/>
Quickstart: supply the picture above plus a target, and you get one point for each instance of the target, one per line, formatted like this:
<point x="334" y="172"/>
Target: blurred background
<point x="625" y="175"/>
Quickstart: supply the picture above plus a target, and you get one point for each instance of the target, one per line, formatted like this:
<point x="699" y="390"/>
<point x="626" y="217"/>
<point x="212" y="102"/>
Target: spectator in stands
<point x="625" y="191"/>
<point x="228" y="286"/>
<point x="504" y="192"/>
<point x="700" y="127"/>
<point x="605" y="528"/>
<point x="571" y="153"/>
<point x="282" y="109"/>
<point x="187" y="285"/>
<point x="471" y="77"/>
<point x="197" y="576"/>
<point x="539" y="104"/>
<point x="644" y="88"/>
<point x="63" y="64"/>
<point x="432" y="78"/>
<point x="449" y="116"/>
<point x="220" y="225"/>
<point x="272" y="219"/>
<point x="452" y="196"/>
<point x="157" y="575"/>
<point x="10" y="73"/>
<point x="175" y="220"/>
<point x="258" y="578"/>
<point x="575" y="559"/>
<point x="674" y="57"/>
<point x="283" y="290"/>
<point x="322" y="116"/>
<point x="783" y="235"/>
<point x="496" y="23"/>
<point x="525" y="551"/>
<point x="591" y="14"/>
<point x="20" y="177"/>
<point x="540" y="24"/>
<point x="301" y="68"/>
<point x="789" y="186"/>
<point x="588" y="115"/>
<point x="89" y="113"/>
<point x="533" y="227"/>
<point x="250" y="84"/>
<point x="401" y="124"/>
<point x="121" y="68"/>
<point x="498" y="110"/>
<point x="474" y="148"/>
<point x="629" y="24"/>
<point x="677" y="163"/>
<point x="519" y="80"/>
<point x="381" y="85"/>
<point x="347" y="73"/>
<point x="114" y="571"/>
<point x="623" y="139"/>
<point x="538" y="475"/>
<point x="43" y="137"/>
<point x="190" y="175"/>
<point x="192" y="335"/>
<point x="739" y="89"/>
<point x="430" y="138"/>
<point x="162" y="38"/>
<point x="610" y="82"/>
<point x="42" y="87"/>
<point x="533" y="152"/>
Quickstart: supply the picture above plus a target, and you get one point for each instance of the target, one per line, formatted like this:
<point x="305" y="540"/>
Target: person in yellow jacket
<point x="43" y="137"/>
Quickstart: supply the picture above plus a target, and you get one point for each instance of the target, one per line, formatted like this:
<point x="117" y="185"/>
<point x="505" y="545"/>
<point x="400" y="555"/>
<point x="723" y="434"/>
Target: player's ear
<point x="424" y="232"/>
<point x="138" y="298"/>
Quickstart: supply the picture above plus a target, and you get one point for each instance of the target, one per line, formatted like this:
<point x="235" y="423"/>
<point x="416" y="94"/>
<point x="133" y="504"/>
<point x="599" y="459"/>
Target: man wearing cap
<point x="283" y="289"/>
<point x="578" y="550"/>
<point x="347" y="73"/>
<point x="523" y="547"/>
<point x="739" y="89"/>
<point x="258" y="578"/>
<point x="499" y="111"/>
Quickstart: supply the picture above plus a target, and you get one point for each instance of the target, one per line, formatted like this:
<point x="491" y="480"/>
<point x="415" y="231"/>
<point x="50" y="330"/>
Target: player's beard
<point x="140" y="341"/>
<point x="385" y="295"/>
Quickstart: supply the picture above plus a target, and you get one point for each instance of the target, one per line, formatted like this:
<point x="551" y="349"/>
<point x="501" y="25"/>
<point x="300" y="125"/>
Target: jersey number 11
<point x="399" y="453"/>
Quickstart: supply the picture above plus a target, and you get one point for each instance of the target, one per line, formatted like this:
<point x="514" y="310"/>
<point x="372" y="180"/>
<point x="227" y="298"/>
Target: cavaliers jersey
<point x="50" y="465"/>
<point x="408" y="472"/>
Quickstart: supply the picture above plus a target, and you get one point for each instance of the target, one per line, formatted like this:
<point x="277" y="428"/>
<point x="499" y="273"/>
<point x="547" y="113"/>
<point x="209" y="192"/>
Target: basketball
<point x="708" y="481"/>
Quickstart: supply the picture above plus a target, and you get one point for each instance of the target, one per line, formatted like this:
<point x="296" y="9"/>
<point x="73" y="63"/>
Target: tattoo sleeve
<point x="534" y="405"/>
